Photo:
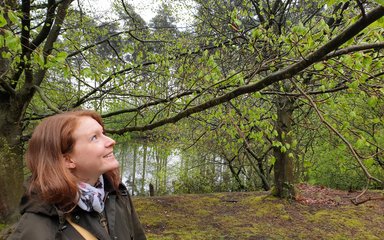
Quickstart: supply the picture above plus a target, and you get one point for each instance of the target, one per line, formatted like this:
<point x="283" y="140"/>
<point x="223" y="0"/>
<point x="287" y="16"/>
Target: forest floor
<point x="317" y="213"/>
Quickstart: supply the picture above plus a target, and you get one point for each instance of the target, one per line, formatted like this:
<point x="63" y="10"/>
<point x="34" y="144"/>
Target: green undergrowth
<point x="255" y="215"/>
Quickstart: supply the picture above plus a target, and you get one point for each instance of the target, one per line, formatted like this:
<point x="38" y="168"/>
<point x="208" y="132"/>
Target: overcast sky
<point x="145" y="8"/>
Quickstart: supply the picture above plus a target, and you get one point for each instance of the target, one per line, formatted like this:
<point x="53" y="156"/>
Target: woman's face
<point x="92" y="153"/>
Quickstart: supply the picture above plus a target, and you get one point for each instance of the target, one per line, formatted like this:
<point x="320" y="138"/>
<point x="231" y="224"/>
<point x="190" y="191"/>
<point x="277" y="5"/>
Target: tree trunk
<point x="142" y="191"/>
<point x="283" y="168"/>
<point x="18" y="82"/>
<point x="135" y="158"/>
<point x="11" y="161"/>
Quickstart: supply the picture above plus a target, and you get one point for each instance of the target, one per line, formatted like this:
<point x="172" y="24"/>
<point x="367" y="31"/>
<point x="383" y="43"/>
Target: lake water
<point x="171" y="170"/>
<point x="143" y="164"/>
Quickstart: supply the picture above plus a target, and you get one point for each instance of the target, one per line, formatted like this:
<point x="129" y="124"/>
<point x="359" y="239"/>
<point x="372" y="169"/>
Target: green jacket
<point x="41" y="221"/>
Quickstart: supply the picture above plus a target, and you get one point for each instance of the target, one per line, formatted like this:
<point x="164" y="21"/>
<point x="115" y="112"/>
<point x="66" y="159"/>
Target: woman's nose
<point x="109" y="142"/>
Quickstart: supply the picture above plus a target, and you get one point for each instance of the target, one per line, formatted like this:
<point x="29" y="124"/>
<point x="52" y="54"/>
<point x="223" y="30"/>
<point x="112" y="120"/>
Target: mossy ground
<point x="257" y="215"/>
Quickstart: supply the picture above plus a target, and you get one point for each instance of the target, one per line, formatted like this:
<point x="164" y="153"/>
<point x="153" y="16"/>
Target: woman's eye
<point x="93" y="138"/>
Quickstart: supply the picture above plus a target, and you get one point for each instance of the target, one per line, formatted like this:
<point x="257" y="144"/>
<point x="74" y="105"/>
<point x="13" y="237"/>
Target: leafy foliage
<point x="260" y="81"/>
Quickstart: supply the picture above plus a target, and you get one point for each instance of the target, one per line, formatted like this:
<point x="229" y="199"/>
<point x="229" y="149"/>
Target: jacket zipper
<point x="103" y="222"/>
<point x="102" y="219"/>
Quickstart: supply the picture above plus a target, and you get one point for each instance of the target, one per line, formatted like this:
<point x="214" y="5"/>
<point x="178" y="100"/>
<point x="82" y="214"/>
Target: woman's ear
<point x="69" y="163"/>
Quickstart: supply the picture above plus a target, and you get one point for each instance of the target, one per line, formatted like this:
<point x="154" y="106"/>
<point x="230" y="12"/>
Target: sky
<point x="145" y="8"/>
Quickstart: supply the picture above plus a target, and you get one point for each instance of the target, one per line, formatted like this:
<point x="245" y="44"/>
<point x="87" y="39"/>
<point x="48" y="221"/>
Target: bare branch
<point x="95" y="44"/>
<point x="107" y="80"/>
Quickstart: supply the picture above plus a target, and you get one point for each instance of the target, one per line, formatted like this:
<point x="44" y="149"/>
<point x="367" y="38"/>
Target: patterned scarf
<point x="92" y="197"/>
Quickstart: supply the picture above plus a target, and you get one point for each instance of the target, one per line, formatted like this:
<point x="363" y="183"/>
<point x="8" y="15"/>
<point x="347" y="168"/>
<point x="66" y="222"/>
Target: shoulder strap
<point x="83" y="232"/>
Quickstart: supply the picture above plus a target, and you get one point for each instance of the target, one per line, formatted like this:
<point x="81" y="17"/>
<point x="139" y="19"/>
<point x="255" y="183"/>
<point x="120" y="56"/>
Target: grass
<point x="256" y="215"/>
<point x="317" y="213"/>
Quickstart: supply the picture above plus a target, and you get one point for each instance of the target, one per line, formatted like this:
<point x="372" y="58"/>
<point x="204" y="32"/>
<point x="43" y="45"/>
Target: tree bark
<point x="283" y="168"/>
<point x="11" y="165"/>
<point x="142" y="191"/>
<point x="16" y="92"/>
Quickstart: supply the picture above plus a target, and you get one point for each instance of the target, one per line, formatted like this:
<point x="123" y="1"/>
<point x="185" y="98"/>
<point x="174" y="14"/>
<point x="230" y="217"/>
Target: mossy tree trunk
<point x="284" y="165"/>
<point x="11" y="160"/>
<point x="19" y="79"/>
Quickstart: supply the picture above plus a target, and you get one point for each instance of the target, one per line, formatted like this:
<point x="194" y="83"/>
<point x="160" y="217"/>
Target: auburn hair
<point x="51" y="140"/>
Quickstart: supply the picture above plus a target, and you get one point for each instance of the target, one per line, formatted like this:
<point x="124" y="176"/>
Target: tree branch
<point x="52" y="37"/>
<point x="277" y="76"/>
<point x="28" y="47"/>
<point x="51" y="7"/>
<point x="354" y="48"/>
<point x="334" y="130"/>
<point x="46" y="100"/>
<point x="107" y="80"/>
<point x="95" y="44"/>
<point x="7" y="87"/>
<point x="25" y="62"/>
<point x="153" y="103"/>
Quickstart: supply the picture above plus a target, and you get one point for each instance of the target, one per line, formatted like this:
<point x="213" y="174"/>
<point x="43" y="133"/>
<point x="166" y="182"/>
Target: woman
<point x="74" y="191"/>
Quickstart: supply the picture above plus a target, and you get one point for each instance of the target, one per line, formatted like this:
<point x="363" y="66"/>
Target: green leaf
<point x="381" y="2"/>
<point x="3" y="22"/>
<point x="87" y="72"/>
<point x="6" y="55"/>
<point x="283" y="149"/>
<point x="376" y="120"/>
<point x="272" y="160"/>
<point x="257" y="95"/>
<point x="288" y="146"/>
<point x="294" y="143"/>
<point x="13" y="17"/>
<point x="38" y="58"/>
<point x="12" y="42"/>
<point x="369" y="162"/>
<point x="319" y="66"/>
<point x="299" y="29"/>
<point x="372" y="101"/>
<point x="361" y="142"/>
<point x="61" y="56"/>
<point x="256" y="33"/>
<point x="354" y="84"/>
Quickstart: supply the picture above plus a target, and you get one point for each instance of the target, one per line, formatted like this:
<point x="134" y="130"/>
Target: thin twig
<point x="349" y="145"/>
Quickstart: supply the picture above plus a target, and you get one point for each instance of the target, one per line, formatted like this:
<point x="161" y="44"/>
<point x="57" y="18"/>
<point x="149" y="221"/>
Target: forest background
<point x="263" y="94"/>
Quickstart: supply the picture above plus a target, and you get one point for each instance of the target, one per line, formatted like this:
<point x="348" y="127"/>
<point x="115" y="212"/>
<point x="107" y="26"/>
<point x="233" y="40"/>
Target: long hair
<point x="51" y="140"/>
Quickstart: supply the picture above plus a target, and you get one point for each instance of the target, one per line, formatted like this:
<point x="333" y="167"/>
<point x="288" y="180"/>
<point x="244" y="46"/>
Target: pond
<point x="170" y="170"/>
<point x="142" y="165"/>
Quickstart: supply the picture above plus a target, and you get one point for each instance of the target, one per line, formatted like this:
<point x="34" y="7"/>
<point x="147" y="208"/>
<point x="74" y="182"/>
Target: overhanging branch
<point x="274" y="77"/>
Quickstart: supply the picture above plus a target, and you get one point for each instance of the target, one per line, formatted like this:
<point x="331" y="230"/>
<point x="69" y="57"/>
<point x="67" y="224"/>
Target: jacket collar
<point x="32" y="204"/>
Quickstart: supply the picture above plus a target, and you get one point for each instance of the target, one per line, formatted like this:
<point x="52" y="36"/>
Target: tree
<point x="27" y="50"/>
<point x="271" y="39"/>
<point x="269" y="46"/>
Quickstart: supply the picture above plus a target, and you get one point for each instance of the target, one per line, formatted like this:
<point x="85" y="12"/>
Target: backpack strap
<point x="83" y="232"/>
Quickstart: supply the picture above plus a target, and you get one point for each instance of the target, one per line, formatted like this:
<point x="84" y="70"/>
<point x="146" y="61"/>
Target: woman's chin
<point x="112" y="165"/>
